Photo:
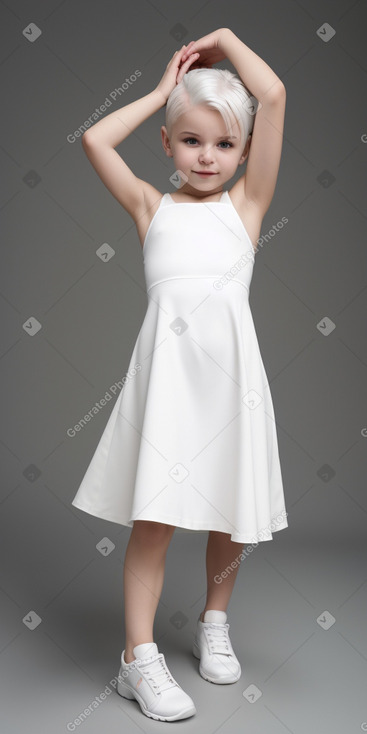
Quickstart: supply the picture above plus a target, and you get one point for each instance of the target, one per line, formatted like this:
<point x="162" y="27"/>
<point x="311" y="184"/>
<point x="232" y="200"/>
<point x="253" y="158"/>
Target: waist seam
<point x="196" y="277"/>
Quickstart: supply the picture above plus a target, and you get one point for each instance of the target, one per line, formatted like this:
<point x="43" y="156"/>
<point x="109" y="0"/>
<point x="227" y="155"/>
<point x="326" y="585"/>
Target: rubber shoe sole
<point x="231" y="678"/>
<point x="126" y="692"/>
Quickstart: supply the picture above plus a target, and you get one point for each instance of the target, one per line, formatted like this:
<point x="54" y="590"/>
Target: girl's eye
<point x="226" y="142"/>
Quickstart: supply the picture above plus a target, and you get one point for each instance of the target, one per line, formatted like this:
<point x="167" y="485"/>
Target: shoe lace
<point x="157" y="673"/>
<point x="218" y="640"/>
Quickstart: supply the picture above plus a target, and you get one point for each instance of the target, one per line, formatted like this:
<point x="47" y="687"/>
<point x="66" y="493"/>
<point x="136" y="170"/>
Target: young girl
<point x="191" y="440"/>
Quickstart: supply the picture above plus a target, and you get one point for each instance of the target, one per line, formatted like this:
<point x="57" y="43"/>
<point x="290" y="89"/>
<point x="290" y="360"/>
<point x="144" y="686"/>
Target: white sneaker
<point x="218" y="663"/>
<point x="148" y="680"/>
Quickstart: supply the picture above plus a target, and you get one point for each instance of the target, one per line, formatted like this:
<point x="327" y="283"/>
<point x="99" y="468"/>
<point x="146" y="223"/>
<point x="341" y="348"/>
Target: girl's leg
<point x="143" y="580"/>
<point x="220" y="552"/>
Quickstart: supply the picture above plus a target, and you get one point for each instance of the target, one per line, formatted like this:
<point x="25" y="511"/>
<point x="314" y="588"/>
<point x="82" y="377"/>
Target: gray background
<point x="56" y="213"/>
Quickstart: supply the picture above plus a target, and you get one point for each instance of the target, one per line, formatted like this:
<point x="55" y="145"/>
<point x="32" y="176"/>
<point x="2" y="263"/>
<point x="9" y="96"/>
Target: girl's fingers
<point x="188" y="47"/>
<point x="190" y="58"/>
<point x="185" y="64"/>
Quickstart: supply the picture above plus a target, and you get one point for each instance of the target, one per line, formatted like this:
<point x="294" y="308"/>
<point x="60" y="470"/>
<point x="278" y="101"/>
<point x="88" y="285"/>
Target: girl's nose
<point x="206" y="155"/>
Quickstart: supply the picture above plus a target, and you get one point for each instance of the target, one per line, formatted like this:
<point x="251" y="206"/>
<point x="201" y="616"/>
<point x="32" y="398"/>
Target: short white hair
<point x="219" y="89"/>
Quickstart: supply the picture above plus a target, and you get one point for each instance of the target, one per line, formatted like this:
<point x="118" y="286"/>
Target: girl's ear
<point x="165" y="141"/>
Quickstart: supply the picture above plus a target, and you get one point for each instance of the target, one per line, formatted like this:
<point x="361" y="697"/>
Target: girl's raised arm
<point x="99" y="143"/>
<point x="259" y="179"/>
<point x="101" y="139"/>
<point x="263" y="160"/>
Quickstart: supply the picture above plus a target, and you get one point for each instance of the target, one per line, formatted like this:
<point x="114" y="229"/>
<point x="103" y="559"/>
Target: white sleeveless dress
<point x="191" y="440"/>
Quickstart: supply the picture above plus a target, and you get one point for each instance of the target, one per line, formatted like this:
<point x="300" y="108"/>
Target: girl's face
<point x="200" y="142"/>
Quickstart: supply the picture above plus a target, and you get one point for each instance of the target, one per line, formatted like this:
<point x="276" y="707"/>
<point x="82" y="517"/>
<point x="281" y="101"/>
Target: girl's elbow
<point x="86" y="139"/>
<point x="280" y="89"/>
<point x="276" y="93"/>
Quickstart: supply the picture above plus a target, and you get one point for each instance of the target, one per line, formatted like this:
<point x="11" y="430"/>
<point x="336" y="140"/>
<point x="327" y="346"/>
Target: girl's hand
<point x="175" y="70"/>
<point x="209" y="48"/>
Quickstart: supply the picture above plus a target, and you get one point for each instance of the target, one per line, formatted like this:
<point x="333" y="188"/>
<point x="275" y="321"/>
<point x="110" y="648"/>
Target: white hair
<point x="219" y="89"/>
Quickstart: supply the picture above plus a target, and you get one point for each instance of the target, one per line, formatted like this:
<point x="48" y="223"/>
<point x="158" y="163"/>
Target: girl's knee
<point x="154" y="530"/>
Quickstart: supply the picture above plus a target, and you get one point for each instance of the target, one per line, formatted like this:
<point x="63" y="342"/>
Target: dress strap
<point x="166" y="199"/>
